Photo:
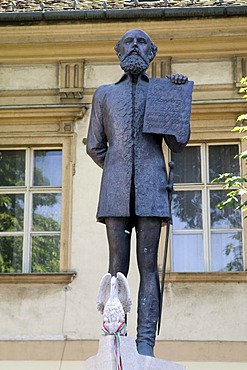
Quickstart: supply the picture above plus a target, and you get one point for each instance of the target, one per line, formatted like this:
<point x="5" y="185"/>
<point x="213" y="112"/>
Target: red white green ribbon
<point x="117" y="334"/>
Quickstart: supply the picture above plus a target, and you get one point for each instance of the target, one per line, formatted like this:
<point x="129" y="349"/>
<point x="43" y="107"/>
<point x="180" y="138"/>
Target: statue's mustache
<point x="135" y="52"/>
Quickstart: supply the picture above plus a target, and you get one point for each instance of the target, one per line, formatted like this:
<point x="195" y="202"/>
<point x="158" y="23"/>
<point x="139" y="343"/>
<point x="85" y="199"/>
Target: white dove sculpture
<point x="113" y="301"/>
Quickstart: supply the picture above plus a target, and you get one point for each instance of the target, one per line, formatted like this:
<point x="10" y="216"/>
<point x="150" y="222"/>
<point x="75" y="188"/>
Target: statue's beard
<point x="134" y="64"/>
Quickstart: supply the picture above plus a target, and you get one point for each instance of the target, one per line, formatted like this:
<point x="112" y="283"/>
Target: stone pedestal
<point x="131" y="360"/>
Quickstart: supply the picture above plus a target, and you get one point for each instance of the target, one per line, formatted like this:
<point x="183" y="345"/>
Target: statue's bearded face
<point x="135" y="52"/>
<point x="134" y="64"/>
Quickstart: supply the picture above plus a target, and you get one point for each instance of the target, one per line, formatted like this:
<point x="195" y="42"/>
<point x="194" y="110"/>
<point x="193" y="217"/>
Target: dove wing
<point x="104" y="292"/>
<point x="124" y="292"/>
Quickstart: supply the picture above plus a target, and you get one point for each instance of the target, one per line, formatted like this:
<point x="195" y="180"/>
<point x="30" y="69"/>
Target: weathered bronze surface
<point x="168" y="108"/>
<point x="128" y="147"/>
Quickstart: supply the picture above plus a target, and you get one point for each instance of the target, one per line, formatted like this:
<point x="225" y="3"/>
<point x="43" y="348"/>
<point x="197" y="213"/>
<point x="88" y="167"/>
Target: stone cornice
<point x="42" y="113"/>
<point x="192" y="38"/>
<point x="81" y="32"/>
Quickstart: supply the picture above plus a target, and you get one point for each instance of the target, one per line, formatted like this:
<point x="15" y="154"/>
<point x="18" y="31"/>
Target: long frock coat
<point x="128" y="157"/>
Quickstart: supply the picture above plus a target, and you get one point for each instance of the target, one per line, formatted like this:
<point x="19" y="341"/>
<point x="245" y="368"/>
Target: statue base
<point x="131" y="360"/>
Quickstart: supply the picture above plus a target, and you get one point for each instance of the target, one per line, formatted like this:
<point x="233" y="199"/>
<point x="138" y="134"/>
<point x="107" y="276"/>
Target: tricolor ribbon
<point x="117" y="334"/>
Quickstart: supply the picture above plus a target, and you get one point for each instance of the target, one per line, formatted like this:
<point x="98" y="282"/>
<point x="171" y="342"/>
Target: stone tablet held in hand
<point x="168" y="108"/>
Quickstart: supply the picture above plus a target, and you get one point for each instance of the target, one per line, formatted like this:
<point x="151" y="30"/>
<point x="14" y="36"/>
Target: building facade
<point x="53" y="55"/>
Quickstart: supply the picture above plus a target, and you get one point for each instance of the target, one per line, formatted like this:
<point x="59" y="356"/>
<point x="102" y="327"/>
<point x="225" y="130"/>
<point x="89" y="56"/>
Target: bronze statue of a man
<point x="134" y="181"/>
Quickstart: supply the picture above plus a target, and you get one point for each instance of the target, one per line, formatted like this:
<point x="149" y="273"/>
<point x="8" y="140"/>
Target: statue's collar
<point x="126" y="76"/>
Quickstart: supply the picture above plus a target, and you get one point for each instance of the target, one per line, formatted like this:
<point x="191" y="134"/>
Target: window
<point x="205" y="238"/>
<point x="30" y="209"/>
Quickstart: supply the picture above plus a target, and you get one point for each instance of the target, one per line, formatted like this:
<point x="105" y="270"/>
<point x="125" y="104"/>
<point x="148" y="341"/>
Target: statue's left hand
<point x="177" y="79"/>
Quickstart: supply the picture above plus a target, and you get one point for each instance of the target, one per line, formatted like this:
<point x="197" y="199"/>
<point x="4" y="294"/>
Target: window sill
<point x="38" y="278"/>
<point x="172" y="277"/>
<point x="204" y="277"/>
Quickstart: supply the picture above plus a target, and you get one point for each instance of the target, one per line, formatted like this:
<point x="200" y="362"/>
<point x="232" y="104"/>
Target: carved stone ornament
<point x="168" y="108"/>
<point x="114" y="301"/>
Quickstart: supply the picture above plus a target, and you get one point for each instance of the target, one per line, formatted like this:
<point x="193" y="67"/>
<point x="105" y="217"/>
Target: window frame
<point x="65" y="143"/>
<point x="206" y="276"/>
<point x="205" y="187"/>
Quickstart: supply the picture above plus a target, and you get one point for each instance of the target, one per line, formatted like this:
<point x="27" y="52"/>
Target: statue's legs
<point x="118" y="234"/>
<point x="148" y="234"/>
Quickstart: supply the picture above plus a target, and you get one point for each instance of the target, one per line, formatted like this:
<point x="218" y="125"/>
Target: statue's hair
<point x="154" y="48"/>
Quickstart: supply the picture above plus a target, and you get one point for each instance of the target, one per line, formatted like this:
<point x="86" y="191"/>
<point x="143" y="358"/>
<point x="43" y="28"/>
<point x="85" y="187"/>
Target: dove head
<point x="114" y="287"/>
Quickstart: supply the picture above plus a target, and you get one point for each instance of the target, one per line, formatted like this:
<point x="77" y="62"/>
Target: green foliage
<point x="244" y="88"/>
<point x="237" y="184"/>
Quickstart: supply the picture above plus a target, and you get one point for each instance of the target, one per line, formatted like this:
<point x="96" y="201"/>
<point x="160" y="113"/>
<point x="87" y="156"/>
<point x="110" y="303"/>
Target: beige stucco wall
<point x="191" y="311"/>
<point x="206" y="72"/>
<point x="100" y="74"/>
<point x="21" y="77"/>
<point x="202" y="72"/>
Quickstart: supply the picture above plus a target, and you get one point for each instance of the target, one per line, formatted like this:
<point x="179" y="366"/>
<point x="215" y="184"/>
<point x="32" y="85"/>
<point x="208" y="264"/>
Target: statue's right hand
<point x="177" y="78"/>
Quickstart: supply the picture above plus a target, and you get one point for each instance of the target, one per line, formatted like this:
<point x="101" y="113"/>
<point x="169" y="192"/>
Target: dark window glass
<point x="187" y="210"/>
<point x="45" y="253"/>
<point x="12" y="167"/>
<point x="46" y="212"/>
<point x="221" y="160"/>
<point x="226" y="251"/>
<point x="187" y="165"/>
<point x="47" y="168"/>
<point x="11" y="253"/>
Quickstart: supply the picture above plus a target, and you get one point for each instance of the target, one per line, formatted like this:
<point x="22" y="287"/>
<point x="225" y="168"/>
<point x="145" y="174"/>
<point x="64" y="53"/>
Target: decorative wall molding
<point x="240" y="69"/>
<point x="160" y="67"/>
<point x="71" y="79"/>
<point x="40" y="119"/>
